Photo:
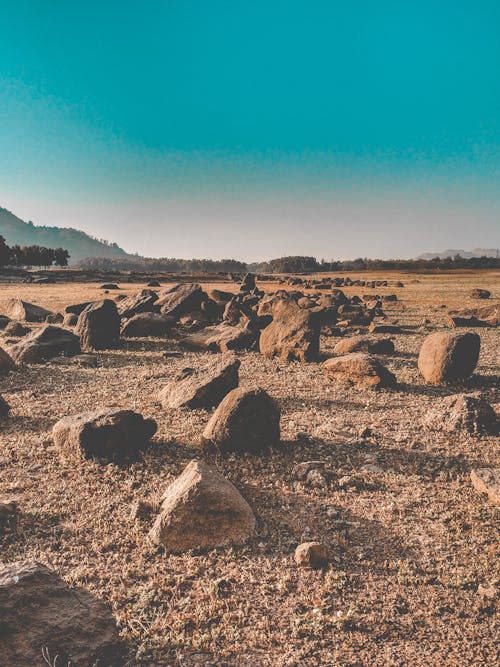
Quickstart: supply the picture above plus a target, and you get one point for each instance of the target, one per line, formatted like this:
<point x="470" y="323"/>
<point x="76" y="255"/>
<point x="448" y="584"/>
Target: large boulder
<point x="142" y="302"/>
<point x="41" y="615"/>
<point x="147" y="324"/>
<point x="463" y="412"/>
<point x="76" y="308"/>
<point x="359" y="369"/>
<point x="201" y="509"/>
<point x="99" y="325"/>
<point x="204" y="386"/>
<point x="6" y="362"/>
<point x="487" y="480"/>
<point x="448" y="356"/>
<point x="45" y="343"/>
<point x="109" y="435"/>
<point x="368" y="344"/>
<point x="181" y="300"/>
<point x="220" y="338"/>
<point x="247" y="420"/>
<point x="292" y="335"/>
<point x="27" y="312"/>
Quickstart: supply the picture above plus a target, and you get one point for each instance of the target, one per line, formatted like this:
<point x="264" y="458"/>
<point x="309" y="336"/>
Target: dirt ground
<point x="410" y="542"/>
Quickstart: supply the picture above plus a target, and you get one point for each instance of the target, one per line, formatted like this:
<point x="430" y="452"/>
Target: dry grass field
<point x="411" y="540"/>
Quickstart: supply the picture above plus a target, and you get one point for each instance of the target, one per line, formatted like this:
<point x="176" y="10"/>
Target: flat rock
<point x="201" y="509"/>
<point x="38" y="610"/>
<point x="108" y="434"/>
<point x="487" y="480"/>
<point x="447" y="357"/>
<point x="17" y="309"/>
<point x="359" y="369"/>
<point x="45" y="343"/>
<point x="220" y="338"/>
<point x="377" y="328"/>
<point x="147" y="324"/>
<point x="204" y="386"/>
<point x="464" y="412"/>
<point x="366" y="344"/>
<point x="247" y="420"/>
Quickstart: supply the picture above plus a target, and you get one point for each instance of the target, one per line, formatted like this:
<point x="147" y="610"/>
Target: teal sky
<point x="255" y="129"/>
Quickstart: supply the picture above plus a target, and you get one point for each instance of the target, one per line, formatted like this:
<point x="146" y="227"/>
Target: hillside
<point x="466" y="254"/>
<point x="78" y="243"/>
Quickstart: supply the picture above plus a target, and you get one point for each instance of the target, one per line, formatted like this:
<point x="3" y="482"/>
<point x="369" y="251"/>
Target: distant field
<point x="411" y="542"/>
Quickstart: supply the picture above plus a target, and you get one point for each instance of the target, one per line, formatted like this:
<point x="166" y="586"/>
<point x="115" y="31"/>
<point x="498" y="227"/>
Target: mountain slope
<point x="78" y="243"/>
<point x="466" y="254"/>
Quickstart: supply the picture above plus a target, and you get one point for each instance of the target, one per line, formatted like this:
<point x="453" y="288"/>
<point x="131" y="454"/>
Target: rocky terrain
<point x="282" y="472"/>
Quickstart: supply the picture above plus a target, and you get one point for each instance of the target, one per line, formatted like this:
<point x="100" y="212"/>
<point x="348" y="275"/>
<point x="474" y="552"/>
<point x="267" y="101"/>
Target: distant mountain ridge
<point x="79" y="244"/>
<point x="466" y="254"/>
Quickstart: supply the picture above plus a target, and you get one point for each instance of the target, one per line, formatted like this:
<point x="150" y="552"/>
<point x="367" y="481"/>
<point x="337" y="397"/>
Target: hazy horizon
<point x="254" y="131"/>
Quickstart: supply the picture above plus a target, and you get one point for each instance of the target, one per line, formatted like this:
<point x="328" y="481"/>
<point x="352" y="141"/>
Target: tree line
<point x="162" y="265"/>
<point x="32" y="255"/>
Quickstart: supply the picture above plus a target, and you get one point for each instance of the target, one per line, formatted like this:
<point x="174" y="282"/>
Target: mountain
<point x="467" y="254"/>
<point x="77" y="243"/>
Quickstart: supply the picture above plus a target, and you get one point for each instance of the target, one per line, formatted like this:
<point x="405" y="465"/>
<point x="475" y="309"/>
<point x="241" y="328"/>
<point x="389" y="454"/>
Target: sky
<point x="255" y="129"/>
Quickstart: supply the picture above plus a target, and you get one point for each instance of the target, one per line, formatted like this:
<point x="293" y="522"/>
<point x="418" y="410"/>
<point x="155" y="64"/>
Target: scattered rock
<point x="16" y="329"/>
<point x="247" y="420"/>
<point x="301" y="470"/>
<point x="6" y="362"/>
<point x="202" y="387"/>
<point x="45" y="343"/>
<point x="487" y="480"/>
<point x="70" y="320"/>
<point x="201" y="509"/>
<point x="292" y="335"/>
<point x="27" y="312"/>
<point x="384" y="328"/>
<point x="464" y="412"/>
<point x="88" y="360"/>
<point x="478" y="293"/>
<point x="39" y="612"/>
<point x="76" y="308"/>
<point x="447" y="356"/>
<point x="108" y="435"/>
<point x="220" y="338"/>
<point x="4" y="407"/>
<point x="147" y="324"/>
<point x="181" y="299"/>
<point x="366" y="344"/>
<point x="9" y="512"/>
<point x="359" y="369"/>
<point x="4" y="320"/>
<point x="99" y="325"/>
<point x="142" y="302"/>
<point x="108" y="286"/>
<point x="312" y="554"/>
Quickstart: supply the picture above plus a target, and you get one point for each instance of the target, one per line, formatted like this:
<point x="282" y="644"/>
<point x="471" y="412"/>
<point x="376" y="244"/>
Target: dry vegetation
<point x="410" y="539"/>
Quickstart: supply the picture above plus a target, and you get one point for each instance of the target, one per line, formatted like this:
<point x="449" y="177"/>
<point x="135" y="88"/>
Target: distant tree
<point x="61" y="257"/>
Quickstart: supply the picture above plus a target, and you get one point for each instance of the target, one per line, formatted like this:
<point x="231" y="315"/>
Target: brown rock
<point x="292" y="335"/>
<point x="4" y="407"/>
<point x="201" y="509"/>
<point x="39" y="612"/>
<point x="142" y="302"/>
<point x="364" y="344"/>
<point x="76" y="308"/>
<point x="359" y="369"/>
<point x="463" y="412"/>
<point x="383" y="328"/>
<point x="220" y="338"/>
<point x="9" y="512"/>
<point x="99" y="325"/>
<point x="70" y="320"/>
<point x="311" y="554"/>
<point x="6" y="362"/>
<point x="202" y="387"/>
<point x="45" y="343"/>
<point x="487" y="480"/>
<point x="16" y="329"/>
<point x="478" y="293"/>
<point x="181" y="299"/>
<point x="446" y="356"/>
<point x="147" y="324"/>
<point x="108" y="434"/>
<point x="247" y="420"/>
<point x="28" y="312"/>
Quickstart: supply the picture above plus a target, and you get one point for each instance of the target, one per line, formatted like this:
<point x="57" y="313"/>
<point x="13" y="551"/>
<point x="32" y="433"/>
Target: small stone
<point x="311" y="554"/>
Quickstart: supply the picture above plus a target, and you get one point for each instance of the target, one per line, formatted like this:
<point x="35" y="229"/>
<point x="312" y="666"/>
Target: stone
<point x="16" y="329"/>
<point x="142" y="302"/>
<point x="109" y="286"/>
<point x="364" y="344"/>
<point x="359" y="369"/>
<point x="99" y="325"/>
<point x="478" y="293"/>
<point x="487" y="316"/>
<point x="153" y="283"/>
<point x="247" y="420"/>
<point x="201" y="509"/>
<point x="204" y="386"/>
<point x="87" y="360"/>
<point x="220" y="296"/>
<point x="41" y="615"/>
<point x="45" y="343"/>
<point x="356" y="314"/>
<point x="70" y="320"/>
<point x="147" y="324"/>
<point x="220" y="338"/>
<point x="4" y="407"/>
<point x="292" y="335"/>
<point x="384" y="328"/>
<point x="487" y="480"/>
<point x="27" y="312"/>
<point x="7" y="364"/>
<point x="301" y="470"/>
<point x="181" y="300"/>
<point x="248" y="283"/>
<point x="109" y="435"/>
<point x="54" y="318"/>
<point x="76" y="308"/>
<point x="9" y="512"/>
<point x="448" y="356"/>
<point x="4" y="320"/>
<point x="464" y="412"/>
<point x="312" y="555"/>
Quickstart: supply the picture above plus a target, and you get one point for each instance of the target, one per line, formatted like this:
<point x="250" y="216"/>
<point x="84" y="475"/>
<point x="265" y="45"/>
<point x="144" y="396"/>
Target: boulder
<point x="202" y="510"/>
<point x="355" y="314"/>
<point x="16" y="329"/>
<point x="109" y="435"/>
<point x="377" y="328"/>
<point x="364" y="344"/>
<point x="76" y="308"/>
<point x="447" y="356"/>
<point x="478" y="293"/>
<point x="99" y="325"/>
<point x="6" y="362"/>
<point x="142" y="302"/>
<point x="4" y="320"/>
<point x="54" y="318"/>
<point x="247" y="420"/>
<point x="40" y="615"/>
<point x="70" y="320"/>
<point x="109" y="286"/>
<point x="147" y="324"/>
<point x="153" y="283"/>
<point x="488" y="316"/>
<point x="292" y="335"/>
<point x="248" y="283"/>
<point x="487" y="480"/>
<point x="220" y="338"/>
<point x="27" y="312"/>
<point x="204" y="386"/>
<point x="45" y="343"/>
<point x="181" y="299"/>
<point x="220" y="296"/>
<point x="312" y="555"/>
<point x="464" y="412"/>
<point x="359" y="369"/>
<point x="4" y="407"/>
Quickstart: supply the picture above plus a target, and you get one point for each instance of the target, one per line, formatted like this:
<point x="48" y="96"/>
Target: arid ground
<point x="411" y="540"/>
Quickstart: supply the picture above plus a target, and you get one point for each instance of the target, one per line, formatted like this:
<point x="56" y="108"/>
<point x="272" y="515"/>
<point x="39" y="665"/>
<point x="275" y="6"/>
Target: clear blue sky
<point x="256" y="128"/>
